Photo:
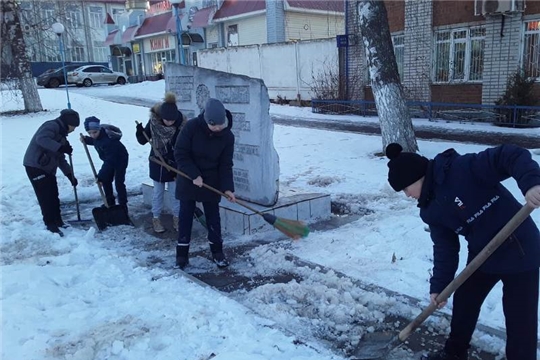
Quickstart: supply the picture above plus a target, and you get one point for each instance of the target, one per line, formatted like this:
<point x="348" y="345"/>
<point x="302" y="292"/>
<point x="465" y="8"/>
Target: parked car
<point x="96" y="74"/>
<point x="53" y="78"/>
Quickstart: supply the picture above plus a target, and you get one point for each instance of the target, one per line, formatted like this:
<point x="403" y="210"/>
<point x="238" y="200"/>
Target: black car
<point x="53" y="78"/>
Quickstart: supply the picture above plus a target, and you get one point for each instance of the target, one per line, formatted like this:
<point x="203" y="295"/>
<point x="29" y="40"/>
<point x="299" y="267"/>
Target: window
<point x="47" y="13"/>
<point x="101" y="52"/>
<point x="73" y="19"/>
<point x="96" y="17"/>
<point x="116" y="14"/>
<point x="459" y="55"/>
<point x="531" y="49"/>
<point x="399" y="48"/>
<point x="52" y="50"/>
<point x="77" y="53"/>
<point x="232" y="35"/>
<point x="92" y="69"/>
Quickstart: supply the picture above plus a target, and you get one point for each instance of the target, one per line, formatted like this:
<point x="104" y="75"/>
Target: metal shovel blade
<point x="375" y="346"/>
<point x="79" y="222"/>
<point x="110" y="216"/>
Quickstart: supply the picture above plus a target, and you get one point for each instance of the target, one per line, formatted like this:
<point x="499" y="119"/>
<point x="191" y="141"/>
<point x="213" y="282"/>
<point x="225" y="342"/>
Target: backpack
<point x="113" y="132"/>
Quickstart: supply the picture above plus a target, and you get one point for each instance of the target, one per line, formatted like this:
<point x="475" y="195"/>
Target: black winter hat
<point x="405" y="168"/>
<point x="169" y="110"/>
<point x="214" y="112"/>
<point x="70" y="117"/>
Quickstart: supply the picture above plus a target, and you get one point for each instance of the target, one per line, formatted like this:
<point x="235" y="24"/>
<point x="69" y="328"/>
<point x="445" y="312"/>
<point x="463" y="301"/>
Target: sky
<point x="92" y="295"/>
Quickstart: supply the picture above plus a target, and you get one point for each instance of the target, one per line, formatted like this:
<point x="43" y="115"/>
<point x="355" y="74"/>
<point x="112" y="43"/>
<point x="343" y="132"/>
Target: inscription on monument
<point x="241" y="179"/>
<point x="233" y="94"/>
<point x="240" y="123"/>
<point x="182" y="86"/>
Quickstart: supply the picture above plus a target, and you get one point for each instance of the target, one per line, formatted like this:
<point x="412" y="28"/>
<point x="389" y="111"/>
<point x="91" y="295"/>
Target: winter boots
<point x="443" y="355"/>
<point x="220" y="260"/>
<point x="158" y="227"/>
<point x="182" y="255"/>
<point x="54" y="229"/>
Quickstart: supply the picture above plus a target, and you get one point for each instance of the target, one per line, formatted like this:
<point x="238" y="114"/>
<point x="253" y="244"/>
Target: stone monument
<point x="256" y="162"/>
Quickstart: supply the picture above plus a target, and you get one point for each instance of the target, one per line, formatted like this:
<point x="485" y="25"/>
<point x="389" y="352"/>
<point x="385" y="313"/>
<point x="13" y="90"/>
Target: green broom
<point x="292" y="228"/>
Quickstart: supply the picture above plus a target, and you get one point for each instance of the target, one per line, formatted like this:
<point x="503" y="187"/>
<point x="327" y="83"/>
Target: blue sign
<point x="342" y="41"/>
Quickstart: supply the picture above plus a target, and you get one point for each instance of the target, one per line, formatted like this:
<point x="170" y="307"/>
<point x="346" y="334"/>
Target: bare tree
<point x="394" y="117"/>
<point x="13" y="45"/>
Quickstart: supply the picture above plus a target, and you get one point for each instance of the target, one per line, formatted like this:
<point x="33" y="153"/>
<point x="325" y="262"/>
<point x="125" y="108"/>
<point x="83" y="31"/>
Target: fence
<point x="511" y="116"/>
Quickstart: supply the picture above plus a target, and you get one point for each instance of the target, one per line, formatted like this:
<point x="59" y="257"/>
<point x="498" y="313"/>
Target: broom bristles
<point x="292" y="228"/>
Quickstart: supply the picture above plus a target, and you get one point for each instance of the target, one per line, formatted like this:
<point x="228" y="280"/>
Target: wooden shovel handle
<point x="100" y="187"/>
<point x="486" y="252"/>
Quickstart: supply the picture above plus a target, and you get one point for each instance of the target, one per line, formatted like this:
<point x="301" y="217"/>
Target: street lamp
<point x="59" y="30"/>
<point x="176" y="4"/>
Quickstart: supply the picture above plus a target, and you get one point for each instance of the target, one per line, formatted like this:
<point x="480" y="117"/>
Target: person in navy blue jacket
<point x="204" y="151"/>
<point x="106" y="139"/>
<point x="463" y="195"/>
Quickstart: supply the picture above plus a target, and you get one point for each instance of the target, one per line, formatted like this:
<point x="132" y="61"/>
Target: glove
<point x="140" y="128"/>
<point x="73" y="180"/>
<point x="66" y="149"/>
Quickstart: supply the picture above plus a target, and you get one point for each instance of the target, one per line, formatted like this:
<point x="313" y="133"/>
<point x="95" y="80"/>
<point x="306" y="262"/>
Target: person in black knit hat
<point x="463" y="195"/>
<point x="44" y="155"/>
<point x="162" y="129"/>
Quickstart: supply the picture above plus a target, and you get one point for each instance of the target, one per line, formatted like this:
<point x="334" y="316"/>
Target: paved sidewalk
<point x="237" y="285"/>
<point x="527" y="138"/>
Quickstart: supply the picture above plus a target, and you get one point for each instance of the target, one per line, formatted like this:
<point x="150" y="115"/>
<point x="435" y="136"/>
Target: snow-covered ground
<point x="83" y="297"/>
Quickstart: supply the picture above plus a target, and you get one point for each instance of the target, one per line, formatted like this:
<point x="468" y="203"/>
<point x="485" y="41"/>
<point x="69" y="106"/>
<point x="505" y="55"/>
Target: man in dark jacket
<point x="463" y="195"/>
<point x="204" y="151"/>
<point x="45" y="153"/>
<point x="106" y="139"/>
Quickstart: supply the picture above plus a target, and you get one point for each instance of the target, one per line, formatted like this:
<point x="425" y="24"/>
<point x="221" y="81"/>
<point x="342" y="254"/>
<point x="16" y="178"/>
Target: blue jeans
<point x="158" y="198"/>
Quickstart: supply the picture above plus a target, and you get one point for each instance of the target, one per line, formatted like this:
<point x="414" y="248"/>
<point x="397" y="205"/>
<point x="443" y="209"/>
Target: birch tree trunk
<point x="394" y="117"/>
<point x="12" y="36"/>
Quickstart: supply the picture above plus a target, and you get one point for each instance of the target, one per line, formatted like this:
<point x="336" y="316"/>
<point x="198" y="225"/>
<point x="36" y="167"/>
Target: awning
<point x="202" y="17"/>
<point x="127" y="36"/>
<point x="111" y="38"/>
<point x="121" y="51"/>
<point x="189" y="38"/>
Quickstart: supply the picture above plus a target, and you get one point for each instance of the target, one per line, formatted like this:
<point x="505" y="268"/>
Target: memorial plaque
<point x="256" y="162"/>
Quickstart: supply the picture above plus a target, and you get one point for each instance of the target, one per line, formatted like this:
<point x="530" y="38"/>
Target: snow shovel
<point x="379" y="345"/>
<point x="78" y="221"/>
<point x="108" y="215"/>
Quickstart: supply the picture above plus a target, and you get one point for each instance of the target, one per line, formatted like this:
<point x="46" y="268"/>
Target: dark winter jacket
<point x="157" y="172"/>
<point x="201" y="152"/>
<point x="462" y="195"/>
<point x="43" y="151"/>
<point x="110" y="149"/>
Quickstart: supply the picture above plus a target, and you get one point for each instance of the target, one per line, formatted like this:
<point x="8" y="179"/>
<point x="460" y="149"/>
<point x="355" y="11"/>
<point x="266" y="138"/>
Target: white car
<point x="95" y="74"/>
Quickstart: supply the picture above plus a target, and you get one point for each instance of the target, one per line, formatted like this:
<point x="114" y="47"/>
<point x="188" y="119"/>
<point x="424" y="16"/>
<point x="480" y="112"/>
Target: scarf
<point x="162" y="135"/>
